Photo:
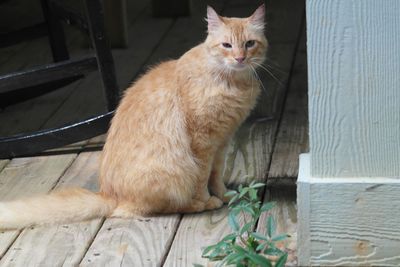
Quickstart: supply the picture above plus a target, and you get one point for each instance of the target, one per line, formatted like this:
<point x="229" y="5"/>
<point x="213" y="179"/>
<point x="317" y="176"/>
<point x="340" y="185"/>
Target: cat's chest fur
<point x="219" y="109"/>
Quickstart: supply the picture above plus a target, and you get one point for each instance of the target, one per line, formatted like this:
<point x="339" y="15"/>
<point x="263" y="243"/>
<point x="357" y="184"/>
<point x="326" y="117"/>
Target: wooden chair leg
<point x="55" y="33"/>
<point x="95" y="14"/>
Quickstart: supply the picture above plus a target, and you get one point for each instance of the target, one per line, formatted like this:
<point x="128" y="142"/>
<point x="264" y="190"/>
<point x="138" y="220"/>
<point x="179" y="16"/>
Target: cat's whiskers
<point x="258" y="78"/>
<point x="269" y="63"/>
<point x="252" y="86"/>
<point x="269" y="72"/>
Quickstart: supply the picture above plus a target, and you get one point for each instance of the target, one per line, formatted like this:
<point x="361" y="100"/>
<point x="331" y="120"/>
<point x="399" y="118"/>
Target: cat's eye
<point x="250" y="43"/>
<point x="227" y="45"/>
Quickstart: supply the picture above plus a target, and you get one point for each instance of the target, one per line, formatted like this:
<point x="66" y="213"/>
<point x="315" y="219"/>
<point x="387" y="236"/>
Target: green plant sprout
<point x="244" y="246"/>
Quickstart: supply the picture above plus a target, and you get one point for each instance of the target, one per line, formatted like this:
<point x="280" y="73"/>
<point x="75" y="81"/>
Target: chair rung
<point x="31" y="143"/>
<point x="46" y="73"/>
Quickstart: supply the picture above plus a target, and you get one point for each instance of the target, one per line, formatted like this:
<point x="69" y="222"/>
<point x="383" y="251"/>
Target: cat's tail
<point x="67" y="205"/>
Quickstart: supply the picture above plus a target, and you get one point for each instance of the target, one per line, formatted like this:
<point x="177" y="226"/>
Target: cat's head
<point x="236" y="44"/>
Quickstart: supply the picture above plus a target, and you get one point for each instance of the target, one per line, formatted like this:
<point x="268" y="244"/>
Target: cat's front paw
<point x="214" y="203"/>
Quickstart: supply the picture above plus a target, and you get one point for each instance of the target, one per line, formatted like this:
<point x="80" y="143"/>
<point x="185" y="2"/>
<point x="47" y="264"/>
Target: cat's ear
<point x="258" y="18"/>
<point x="214" y="21"/>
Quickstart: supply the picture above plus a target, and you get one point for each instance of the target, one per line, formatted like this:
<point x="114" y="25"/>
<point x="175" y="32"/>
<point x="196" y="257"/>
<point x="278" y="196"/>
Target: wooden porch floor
<point x="266" y="147"/>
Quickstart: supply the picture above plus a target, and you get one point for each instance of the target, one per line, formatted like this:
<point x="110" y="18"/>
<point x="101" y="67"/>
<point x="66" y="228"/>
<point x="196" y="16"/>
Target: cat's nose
<point x="240" y="59"/>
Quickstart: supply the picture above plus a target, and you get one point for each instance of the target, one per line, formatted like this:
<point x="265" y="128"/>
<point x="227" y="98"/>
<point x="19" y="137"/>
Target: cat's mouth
<point x="239" y="66"/>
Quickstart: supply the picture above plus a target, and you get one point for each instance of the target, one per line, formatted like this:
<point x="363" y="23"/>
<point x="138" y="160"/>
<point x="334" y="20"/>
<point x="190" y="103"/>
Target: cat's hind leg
<point x="199" y="206"/>
<point x="128" y="210"/>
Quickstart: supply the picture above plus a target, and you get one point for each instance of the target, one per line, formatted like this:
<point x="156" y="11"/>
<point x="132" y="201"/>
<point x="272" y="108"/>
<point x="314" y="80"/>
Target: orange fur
<point x="165" y="147"/>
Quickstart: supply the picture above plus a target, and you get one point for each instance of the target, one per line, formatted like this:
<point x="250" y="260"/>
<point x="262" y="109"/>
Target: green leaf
<point x="249" y="210"/>
<point x="246" y="227"/>
<point x="207" y="250"/>
<point x="233" y="258"/>
<point x="259" y="236"/>
<point x="229" y="237"/>
<point x="197" y="265"/>
<point x="240" y="250"/>
<point x="230" y="193"/>
<point x="281" y="261"/>
<point x="270" y="226"/>
<point x="233" y="222"/>
<point x="267" y="206"/>
<point x="280" y="237"/>
<point x="261" y="246"/>
<point x="240" y="188"/>
<point x="236" y="210"/>
<point x="260" y="260"/>
<point x="244" y="192"/>
<point x="273" y="251"/>
<point x="253" y="194"/>
<point x="233" y="200"/>
<point x="257" y="185"/>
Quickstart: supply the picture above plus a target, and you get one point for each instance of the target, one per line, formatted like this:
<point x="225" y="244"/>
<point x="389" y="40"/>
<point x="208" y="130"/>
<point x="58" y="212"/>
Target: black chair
<point x="20" y="85"/>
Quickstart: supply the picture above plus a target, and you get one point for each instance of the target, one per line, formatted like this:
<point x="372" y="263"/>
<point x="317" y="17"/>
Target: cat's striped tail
<point x="62" y="206"/>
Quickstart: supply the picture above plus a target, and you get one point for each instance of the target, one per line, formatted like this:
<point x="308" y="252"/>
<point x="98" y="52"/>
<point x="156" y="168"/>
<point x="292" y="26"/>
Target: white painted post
<point x="349" y="183"/>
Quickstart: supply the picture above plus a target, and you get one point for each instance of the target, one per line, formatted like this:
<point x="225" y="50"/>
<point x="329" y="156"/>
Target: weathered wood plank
<point x="354" y="88"/>
<point x="292" y="136"/>
<point x="3" y="164"/>
<point x="195" y="232"/>
<point x="285" y="216"/>
<point x="248" y="155"/>
<point x="24" y="177"/>
<point x="133" y="242"/>
<point x="61" y="244"/>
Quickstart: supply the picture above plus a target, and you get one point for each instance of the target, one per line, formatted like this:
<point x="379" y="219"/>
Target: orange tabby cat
<point x="165" y="147"/>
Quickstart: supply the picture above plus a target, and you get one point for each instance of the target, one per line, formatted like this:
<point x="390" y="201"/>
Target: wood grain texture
<point x="292" y="136"/>
<point x="285" y="216"/>
<point x="348" y="222"/>
<point x="3" y="164"/>
<point x="24" y="177"/>
<point x="195" y="232"/>
<point x="132" y="242"/>
<point x="249" y="152"/>
<point x="354" y="93"/>
<point x="60" y="245"/>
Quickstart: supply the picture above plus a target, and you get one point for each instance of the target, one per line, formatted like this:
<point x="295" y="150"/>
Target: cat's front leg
<point x="215" y="182"/>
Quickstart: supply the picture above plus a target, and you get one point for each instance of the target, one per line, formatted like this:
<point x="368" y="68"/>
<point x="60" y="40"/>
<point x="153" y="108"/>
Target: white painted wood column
<point x="349" y="183"/>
